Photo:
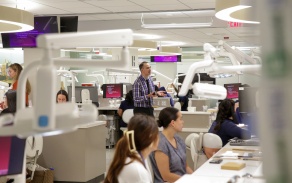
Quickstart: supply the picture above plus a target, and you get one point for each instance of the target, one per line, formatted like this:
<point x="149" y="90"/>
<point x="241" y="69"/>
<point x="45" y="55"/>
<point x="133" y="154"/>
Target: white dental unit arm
<point x="200" y="89"/>
<point x="239" y="55"/>
<point x="213" y="91"/>
<point x="46" y="117"/>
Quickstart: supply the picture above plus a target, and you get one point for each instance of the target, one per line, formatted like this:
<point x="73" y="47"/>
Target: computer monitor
<point x="248" y="99"/>
<point x="248" y="108"/>
<point x="112" y="90"/>
<point x="12" y="151"/>
<point x="232" y="90"/>
<point x="78" y="89"/>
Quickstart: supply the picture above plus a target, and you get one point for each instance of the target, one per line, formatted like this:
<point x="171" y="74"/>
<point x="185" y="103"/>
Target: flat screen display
<point x="11" y="155"/>
<point x="69" y="24"/>
<point x="42" y="25"/>
<point x="112" y="90"/>
<point x="166" y="58"/>
<point x="232" y="90"/>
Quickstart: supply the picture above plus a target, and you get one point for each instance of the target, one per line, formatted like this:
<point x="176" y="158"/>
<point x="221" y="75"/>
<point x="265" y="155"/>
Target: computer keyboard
<point x="240" y="142"/>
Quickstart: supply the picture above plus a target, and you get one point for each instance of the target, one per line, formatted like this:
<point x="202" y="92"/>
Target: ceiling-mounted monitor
<point x="42" y="25"/>
<point x="166" y="58"/>
<point x="68" y="24"/>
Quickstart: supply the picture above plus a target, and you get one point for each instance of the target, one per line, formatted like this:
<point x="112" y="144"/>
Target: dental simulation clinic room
<point x="132" y="91"/>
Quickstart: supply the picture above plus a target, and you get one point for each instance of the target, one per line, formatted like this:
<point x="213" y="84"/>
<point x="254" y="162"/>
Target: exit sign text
<point x="235" y="24"/>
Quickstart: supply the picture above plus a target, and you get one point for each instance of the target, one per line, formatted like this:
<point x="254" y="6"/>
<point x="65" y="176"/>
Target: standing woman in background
<point x="14" y="71"/>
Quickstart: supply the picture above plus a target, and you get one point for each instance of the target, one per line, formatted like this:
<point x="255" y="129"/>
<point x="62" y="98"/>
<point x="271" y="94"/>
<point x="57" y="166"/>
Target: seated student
<point x="237" y="113"/>
<point x="225" y="124"/>
<point x="184" y="100"/>
<point x="169" y="160"/>
<point x="128" y="103"/>
<point x="62" y="96"/>
<point x="167" y="95"/>
<point x="129" y="163"/>
<point x="9" y="105"/>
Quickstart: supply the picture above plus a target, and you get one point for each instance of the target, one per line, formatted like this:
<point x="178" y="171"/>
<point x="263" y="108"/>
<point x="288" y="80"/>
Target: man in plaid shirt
<point x="144" y="91"/>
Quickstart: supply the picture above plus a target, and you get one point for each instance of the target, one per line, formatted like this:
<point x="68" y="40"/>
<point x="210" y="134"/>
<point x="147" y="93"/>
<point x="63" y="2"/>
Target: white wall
<point x="167" y="69"/>
<point x="11" y="55"/>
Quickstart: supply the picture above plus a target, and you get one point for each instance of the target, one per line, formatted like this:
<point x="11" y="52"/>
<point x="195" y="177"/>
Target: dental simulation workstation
<point x="87" y="68"/>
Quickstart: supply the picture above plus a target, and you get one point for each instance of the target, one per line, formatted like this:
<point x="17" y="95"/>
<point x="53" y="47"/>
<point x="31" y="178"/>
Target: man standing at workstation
<point x="144" y="91"/>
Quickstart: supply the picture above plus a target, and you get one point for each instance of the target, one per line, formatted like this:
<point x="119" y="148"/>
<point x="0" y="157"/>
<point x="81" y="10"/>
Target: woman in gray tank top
<point x="169" y="160"/>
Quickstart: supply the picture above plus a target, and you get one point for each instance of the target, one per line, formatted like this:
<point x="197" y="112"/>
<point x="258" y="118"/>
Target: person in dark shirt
<point x="9" y="106"/>
<point x="225" y="124"/>
<point x="128" y="103"/>
<point x="9" y="102"/>
<point x="167" y="95"/>
<point x="183" y="100"/>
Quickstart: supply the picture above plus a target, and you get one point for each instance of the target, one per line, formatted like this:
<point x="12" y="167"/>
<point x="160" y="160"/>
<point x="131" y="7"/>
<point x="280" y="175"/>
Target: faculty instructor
<point x="144" y="91"/>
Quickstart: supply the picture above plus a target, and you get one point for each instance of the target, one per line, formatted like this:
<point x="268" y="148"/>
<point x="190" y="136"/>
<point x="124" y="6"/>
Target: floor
<point x="109" y="156"/>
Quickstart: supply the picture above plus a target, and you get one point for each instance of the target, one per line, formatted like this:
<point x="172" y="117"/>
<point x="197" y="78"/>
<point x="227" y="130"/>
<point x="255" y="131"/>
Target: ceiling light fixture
<point x="15" y="20"/>
<point x="225" y="15"/>
<point x="235" y="11"/>
<point x="173" y="25"/>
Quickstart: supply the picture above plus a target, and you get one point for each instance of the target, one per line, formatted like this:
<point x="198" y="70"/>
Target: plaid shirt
<point x="140" y="92"/>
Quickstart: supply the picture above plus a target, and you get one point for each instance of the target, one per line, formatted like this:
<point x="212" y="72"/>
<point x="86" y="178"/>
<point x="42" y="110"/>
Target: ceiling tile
<point x="65" y="4"/>
<point x="211" y="41"/>
<point x="84" y="10"/>
<point x="138" y="15"/>
<point x="158" y="32"/>
<point x="99" y="14"/>
<point x="125" y="8"/>
<point x="85" y="18"/>
<point x="204" y="13"/>
<point x="155" y="2"/>
<point x="109" y="17"/>
<point x="191" y="33"/>
<point x="197" y="1"/>
<point x="46" y="10"/>
<point x="111" y="3"/>
<point x="48" y="1"/>
<point x="167" y="7"/>
<point x="213" y="31"/>
<point x="200" y="5"/>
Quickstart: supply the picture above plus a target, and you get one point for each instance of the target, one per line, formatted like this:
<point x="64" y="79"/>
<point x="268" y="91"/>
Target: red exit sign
<point x="235" y="24"/>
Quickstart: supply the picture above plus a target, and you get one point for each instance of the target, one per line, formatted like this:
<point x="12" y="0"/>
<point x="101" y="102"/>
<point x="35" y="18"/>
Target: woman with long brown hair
<point x="225" y="125"/>
<point x="129" y="162"/>
<point x="14" y="71"/>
